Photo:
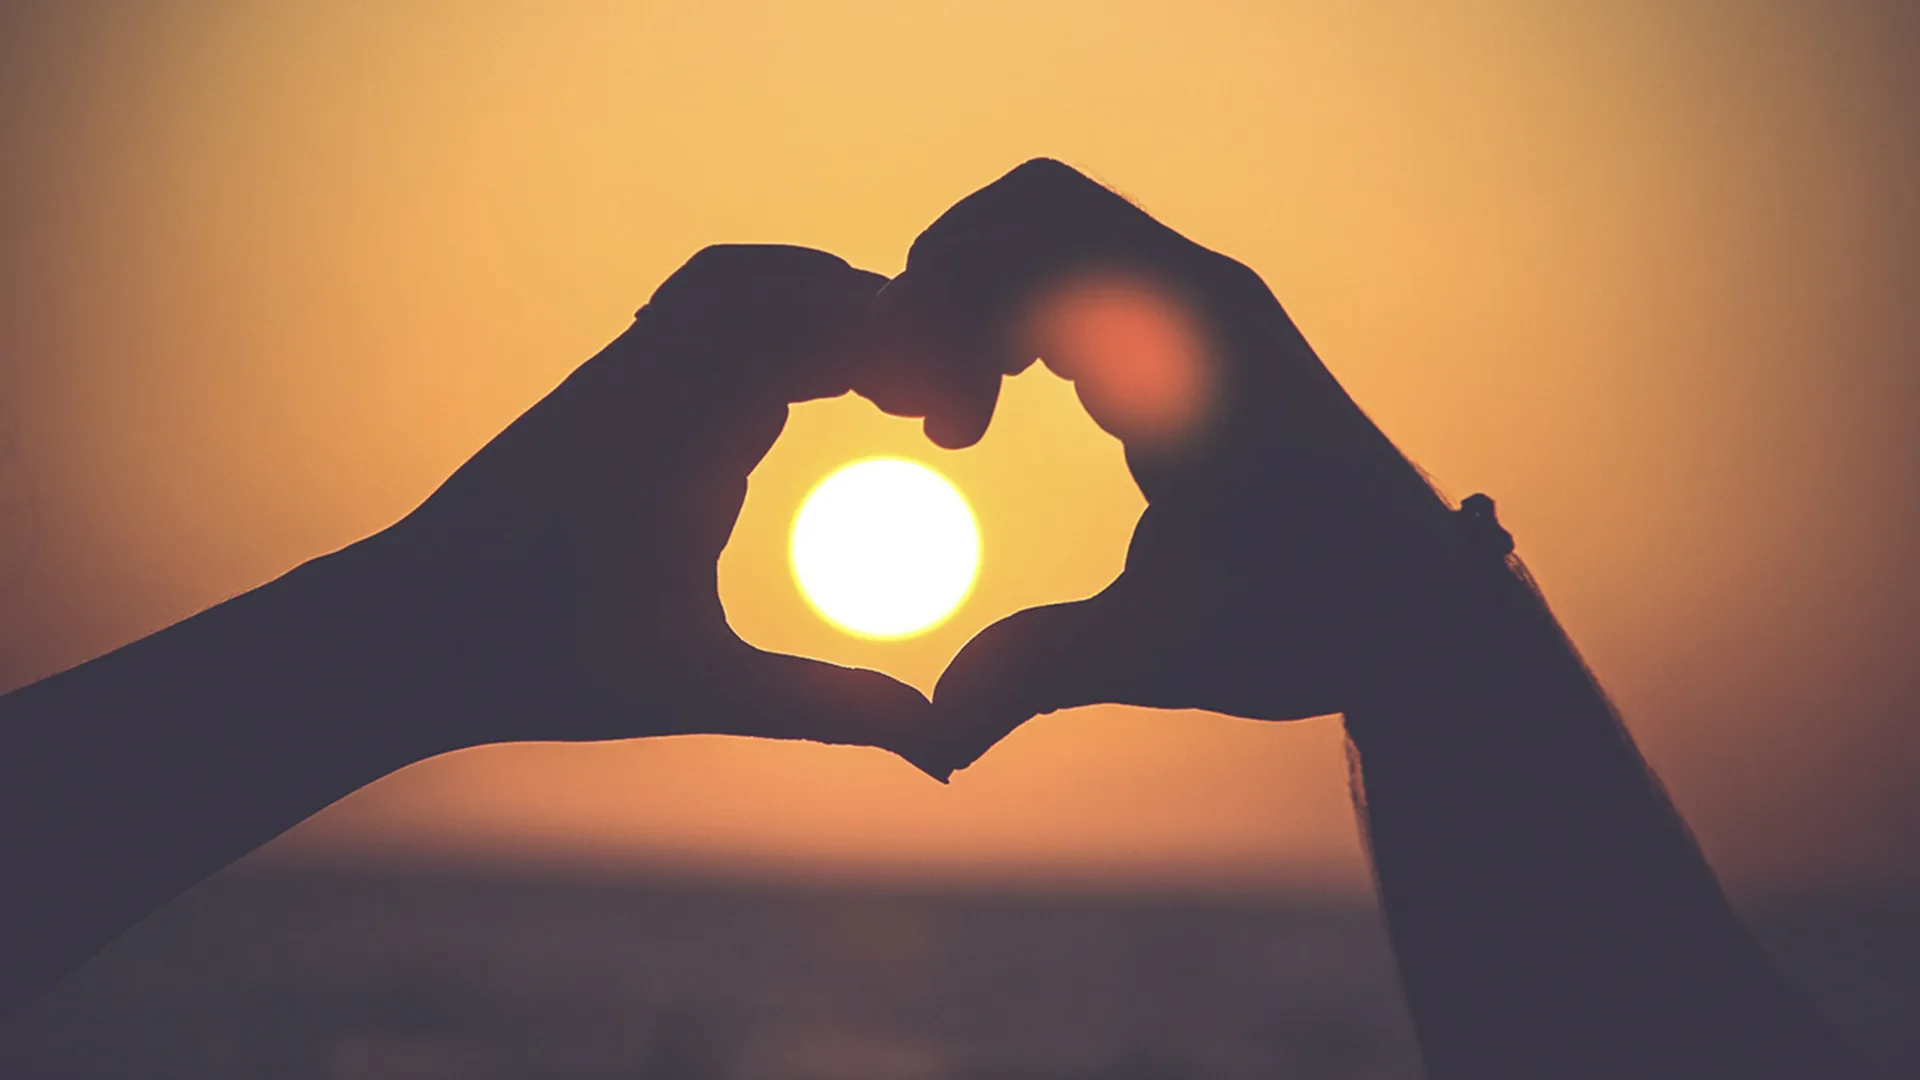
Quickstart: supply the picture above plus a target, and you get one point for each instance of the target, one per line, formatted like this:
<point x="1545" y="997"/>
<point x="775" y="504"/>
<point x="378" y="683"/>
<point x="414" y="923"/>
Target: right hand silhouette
<point x="1287" y="550"/>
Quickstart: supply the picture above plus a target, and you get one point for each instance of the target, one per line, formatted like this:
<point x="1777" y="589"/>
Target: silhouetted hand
<point x="1287" y="548"/>
<point x="570" y="566"/>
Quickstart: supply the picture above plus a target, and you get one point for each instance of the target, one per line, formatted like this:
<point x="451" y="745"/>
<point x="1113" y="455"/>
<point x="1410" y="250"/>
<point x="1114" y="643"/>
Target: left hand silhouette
<point x="569" y="569"/>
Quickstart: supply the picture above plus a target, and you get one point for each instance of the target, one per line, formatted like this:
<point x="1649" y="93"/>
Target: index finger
<point x="963" y="312"/>
<point x="766" y="320"/>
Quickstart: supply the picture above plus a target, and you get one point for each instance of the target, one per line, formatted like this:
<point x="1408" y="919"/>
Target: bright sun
<point x="885" y="548"/>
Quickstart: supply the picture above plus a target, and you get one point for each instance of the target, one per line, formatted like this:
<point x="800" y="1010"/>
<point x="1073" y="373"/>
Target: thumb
<point x="776" y="696"/>
<point x="1039" y="660"/>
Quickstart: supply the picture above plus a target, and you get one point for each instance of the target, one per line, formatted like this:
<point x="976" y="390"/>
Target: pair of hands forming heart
<point x="1551" y="916"/>
<point x="1287" y="547"/>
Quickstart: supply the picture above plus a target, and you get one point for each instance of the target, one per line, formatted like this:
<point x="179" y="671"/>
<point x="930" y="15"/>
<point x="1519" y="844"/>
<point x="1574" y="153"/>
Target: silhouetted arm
<point x="1550" y="912"/>
<point x="560" y="586"/>
<point x="127" y="779"/>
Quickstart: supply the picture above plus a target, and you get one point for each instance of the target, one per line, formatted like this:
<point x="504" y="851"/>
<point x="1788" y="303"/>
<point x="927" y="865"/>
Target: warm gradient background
<point x="1647" y="272"/>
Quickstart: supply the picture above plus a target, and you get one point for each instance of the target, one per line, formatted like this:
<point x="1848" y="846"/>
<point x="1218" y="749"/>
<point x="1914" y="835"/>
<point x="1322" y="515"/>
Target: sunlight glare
<point x="885" y="548"/>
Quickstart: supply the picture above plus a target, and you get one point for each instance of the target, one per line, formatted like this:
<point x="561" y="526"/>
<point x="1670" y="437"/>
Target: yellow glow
<point x="885" y="548"/>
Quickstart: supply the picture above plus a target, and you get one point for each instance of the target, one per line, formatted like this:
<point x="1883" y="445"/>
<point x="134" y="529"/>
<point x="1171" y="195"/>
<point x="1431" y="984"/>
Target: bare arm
<point x="560" y="585"/>
<point x="1550" y="912"/>
<point x="129" y="778"/>
<point x="1551" y="915"/>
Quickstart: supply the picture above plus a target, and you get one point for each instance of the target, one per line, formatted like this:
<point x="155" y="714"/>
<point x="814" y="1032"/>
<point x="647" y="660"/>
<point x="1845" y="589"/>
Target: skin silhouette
<point x="560" y="586"/>
<point x="1549" y="911"/>
<point x="1551" y="916"/>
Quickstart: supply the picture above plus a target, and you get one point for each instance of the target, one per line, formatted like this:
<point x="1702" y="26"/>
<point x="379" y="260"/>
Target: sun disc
<point x="885" y="548"/>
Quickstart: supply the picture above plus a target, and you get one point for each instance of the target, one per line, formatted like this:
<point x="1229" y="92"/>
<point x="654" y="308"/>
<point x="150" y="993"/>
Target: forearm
<point x="1551" y="915"/>
<point x="131" y="777"/>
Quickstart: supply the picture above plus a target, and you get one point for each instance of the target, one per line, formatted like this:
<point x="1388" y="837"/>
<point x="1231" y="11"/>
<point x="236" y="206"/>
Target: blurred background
<point x="1648" y="273"/>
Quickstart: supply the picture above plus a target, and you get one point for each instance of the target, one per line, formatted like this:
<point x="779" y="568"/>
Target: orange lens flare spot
<point x="1135" y="351"/>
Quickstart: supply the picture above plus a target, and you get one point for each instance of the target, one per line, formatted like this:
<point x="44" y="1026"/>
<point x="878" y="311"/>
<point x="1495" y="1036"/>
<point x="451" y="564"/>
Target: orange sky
<point x="1646" y="275"/>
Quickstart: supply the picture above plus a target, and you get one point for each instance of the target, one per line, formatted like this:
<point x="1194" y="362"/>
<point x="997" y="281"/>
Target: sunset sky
<point x="1649" y="274"/>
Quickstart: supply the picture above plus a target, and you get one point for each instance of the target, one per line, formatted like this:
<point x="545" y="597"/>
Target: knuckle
<point x="1048" y="174"/>
<point x="713" y="257"/>
<point x="772" y="276"/>
<point x="1044" y="183"/>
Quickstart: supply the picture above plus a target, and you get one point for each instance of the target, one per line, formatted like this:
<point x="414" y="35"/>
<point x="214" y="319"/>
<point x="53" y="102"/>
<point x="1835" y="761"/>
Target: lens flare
<point x="1135" y="350"/>
<point x="885" y="548"/>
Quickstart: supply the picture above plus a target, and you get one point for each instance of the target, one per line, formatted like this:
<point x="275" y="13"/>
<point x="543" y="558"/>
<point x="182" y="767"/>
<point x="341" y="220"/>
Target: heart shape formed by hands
<point x="568" y="572"/>
<point x="1050" y="492"/>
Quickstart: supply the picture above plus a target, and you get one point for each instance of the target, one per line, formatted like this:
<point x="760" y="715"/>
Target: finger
<point x="944" y="324"/>
<point x="1037" y="222"/>
<point x="934" y="361"/>
<point x="1051" y="209"/>
<point x="955" y="318"/>
<point x="725" y="344"/>
<point x="801" y="325"/>
<point x="820" y="351"/>
<point x="771" y="321"/>
<point x="772" y="695"/>
<point x="1061" y="656"/>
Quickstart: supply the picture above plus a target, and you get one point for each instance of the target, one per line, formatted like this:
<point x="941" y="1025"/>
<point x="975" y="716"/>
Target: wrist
<point x="1498" y="678"/>
<point x="388" y="641"/>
